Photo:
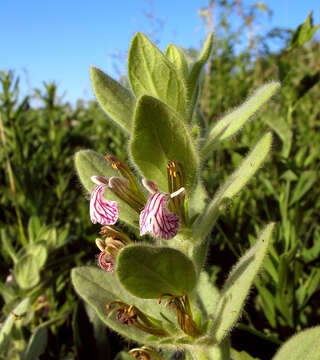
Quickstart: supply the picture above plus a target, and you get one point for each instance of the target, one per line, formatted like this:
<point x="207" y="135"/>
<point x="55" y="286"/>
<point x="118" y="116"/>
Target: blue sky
<point x="59" y="39"/>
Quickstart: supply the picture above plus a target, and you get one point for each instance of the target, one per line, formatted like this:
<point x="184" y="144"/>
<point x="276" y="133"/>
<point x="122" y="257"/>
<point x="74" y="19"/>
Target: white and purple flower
<point x="155" y="215"/>
<point x="156" y="218"/>
<point x="102" y="211"/>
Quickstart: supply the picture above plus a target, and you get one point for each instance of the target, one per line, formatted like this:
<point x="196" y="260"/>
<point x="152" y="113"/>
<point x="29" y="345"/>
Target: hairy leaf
<point x="193" y="80"/>
<point x="151" y="73"/>
<point x="237" y="286"/>
<point x="304" y="345"/>
<point x="116" y="101"/>
<point x="208" y="293"/>
<point x="235" y="120"/>
<point x="148" y="272"/>
<point x="160" y="135"/>
<point x="177" y="57"/>
<point x="233" y="185"/>
<point x="98" y="288"/>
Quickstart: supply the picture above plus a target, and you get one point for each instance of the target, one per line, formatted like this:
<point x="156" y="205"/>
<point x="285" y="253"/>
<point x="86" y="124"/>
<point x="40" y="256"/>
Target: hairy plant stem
<point x="216" y="352"/>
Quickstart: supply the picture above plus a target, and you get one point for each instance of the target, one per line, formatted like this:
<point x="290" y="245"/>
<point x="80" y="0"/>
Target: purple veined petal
<point x="150" y="185"/>
<point x="106" y="262"/>
<point x="157" y="219"/>
<point x="102" y="211"/>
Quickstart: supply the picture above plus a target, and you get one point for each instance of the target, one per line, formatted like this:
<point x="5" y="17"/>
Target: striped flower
<point x="102" y="211"/>
<point x="156" y="218"/>
<point x="106" y="262"/>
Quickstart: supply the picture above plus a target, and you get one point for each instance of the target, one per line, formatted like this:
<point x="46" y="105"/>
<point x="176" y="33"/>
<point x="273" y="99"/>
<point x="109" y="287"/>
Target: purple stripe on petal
<point x="157" y="219"/>
<point x="106" y="262"/>
<point x="102" y="211"/>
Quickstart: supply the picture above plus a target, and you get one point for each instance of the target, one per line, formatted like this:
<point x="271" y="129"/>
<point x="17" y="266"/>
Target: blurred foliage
<point x="287" y="191"/>
<point x="45" y="228"/>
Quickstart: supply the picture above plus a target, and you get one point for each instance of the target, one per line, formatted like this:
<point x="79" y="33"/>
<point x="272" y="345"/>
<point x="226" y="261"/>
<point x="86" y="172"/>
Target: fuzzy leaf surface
<point x="194" y="75"/>
<point x="159" y="135"/>
<point x="116" y="101"/>
<point x="198" y="65"/>
<point x="176" y="56"/>
<point x="304" y="345"/>
<point x="148" y="272"/>
<point x="237" y="286"/>
<point x="89" y="163"/>
<point x="98" y="288"/>
<point x="208" y="293"/>
<point x="150" y="72"/>
<point x="233" y="185"/>
<point x="197" y="201"/>
<point x="231" y="123"/>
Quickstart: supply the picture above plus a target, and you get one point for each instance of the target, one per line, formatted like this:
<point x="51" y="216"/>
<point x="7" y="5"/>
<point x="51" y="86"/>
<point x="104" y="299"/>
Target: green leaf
<point x="176" y="56"/>
<point x="148" y="272"/>
<point x="39" y="251"/>
<point x="116" y="101"/>
<point x="151" y="73"/>
<point x="7" y="245"/>
<point x="217" y="352"/>
<point x="27" y="271"/>
<point x="208" y="293"/>
<point x="306" y="181"/>
<point x="281" y="127"/>
<point x="308" y="288"/>
<point x="198" y="200"/>
<point x="233" y="185"/>
<point x="49" y="235"/>
<point x="289" y="176"/>
<point x="98" y="288"/>
<point x="193" y="80"/>
<point x="159" y="135"/>
<point x="304" y="345"/>
<point x="34" y="226"/>
<point x="89" y="163"/>
<point x="304" y="33"/>
<point x="197" y="66"/>
<point x="304" y="86"/>
<point x="231" y="123"/>
<point x="237" y="286"/>
<point x="6" y="327"/>
<point x="37" y="344"/>
<point x="241" y="355"/>
<point x="268" y="303"/>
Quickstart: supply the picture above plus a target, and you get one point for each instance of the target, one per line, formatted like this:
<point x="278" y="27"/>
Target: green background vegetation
<point x="46" y="230"/>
